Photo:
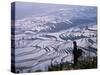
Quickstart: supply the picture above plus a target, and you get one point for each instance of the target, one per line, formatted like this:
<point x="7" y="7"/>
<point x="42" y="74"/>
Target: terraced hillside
<point x="47" y="39"/>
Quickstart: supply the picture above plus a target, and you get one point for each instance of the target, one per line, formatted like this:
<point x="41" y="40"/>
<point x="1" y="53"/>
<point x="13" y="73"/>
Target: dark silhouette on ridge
<point x="76" y="52"/>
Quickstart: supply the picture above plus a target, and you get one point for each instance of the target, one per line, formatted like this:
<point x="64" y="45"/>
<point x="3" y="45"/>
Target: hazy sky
<point x="26" y="9"/>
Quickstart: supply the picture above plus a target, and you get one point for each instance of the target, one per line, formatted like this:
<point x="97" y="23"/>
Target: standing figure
<point x="75" y="52"/>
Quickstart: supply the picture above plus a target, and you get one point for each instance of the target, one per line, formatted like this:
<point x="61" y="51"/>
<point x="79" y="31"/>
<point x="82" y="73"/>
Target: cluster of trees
<point x="72" y="37"/>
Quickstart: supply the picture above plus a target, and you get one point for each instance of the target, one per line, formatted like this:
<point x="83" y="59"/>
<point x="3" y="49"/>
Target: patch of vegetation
<point x="81" y="64"/>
